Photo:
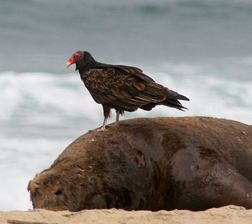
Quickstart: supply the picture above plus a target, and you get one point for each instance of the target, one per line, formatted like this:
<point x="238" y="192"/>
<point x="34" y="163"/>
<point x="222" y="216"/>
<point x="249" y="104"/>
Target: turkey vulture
<point x="121" y="87"/>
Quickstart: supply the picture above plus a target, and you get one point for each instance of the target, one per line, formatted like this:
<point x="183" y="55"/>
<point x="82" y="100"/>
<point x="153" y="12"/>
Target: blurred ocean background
<point x="200" y="48"/>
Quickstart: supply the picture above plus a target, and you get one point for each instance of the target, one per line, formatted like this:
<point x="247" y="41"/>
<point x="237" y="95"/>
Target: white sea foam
<point x="42" y="113"/>
<point x="45" y="91"/>
<point x="20" y="160"/>
<point x="211" y="93"/>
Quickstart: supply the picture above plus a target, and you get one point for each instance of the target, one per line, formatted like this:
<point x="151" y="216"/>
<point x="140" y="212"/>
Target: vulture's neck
<point x="84" y="66"/>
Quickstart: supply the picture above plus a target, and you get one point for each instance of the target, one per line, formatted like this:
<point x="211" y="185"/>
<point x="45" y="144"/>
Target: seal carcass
<point x="161" y="163"/>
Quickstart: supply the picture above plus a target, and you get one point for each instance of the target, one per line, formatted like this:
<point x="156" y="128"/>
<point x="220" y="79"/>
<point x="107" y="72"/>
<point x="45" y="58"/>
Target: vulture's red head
<point x="77" y="57"/>
<point x="82" y="59"/>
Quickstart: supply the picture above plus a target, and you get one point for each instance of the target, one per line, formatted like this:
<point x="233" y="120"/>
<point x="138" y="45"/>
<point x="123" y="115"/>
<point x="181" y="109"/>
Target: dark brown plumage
<point x="120" y="87"/>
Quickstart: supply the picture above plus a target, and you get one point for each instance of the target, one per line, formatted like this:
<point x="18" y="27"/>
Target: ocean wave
<point x="43" y="100"/>
<point x="50" y="100"/>
<point x="20" y="160"/>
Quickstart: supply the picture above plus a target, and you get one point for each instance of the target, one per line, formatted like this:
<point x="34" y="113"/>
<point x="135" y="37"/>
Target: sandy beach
<point x="228" y="214"/>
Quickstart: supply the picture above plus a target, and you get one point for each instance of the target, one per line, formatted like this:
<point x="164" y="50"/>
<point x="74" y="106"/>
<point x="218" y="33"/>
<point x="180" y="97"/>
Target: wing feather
<point x="126" y="88"/>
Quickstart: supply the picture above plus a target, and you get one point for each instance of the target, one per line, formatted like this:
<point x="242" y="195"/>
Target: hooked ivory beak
<point x="70" y="62"/>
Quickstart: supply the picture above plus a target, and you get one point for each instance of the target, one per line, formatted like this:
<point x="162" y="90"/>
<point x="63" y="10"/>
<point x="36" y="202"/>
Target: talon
<point x="102" y="129"/>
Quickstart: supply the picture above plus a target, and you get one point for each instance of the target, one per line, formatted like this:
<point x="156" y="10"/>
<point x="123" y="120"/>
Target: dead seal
<point x="190" y="163"/>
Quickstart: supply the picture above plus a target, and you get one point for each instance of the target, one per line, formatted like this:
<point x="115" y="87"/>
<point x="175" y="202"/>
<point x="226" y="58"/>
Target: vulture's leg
<point x="117" y="118"/>
<point x="106" y="112"/>
<point x="118" y="112"/>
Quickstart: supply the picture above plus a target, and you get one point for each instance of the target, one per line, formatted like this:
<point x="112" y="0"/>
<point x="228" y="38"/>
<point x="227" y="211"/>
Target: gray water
<point x="38" y="35"/>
